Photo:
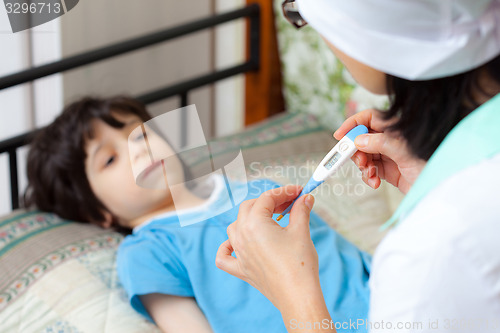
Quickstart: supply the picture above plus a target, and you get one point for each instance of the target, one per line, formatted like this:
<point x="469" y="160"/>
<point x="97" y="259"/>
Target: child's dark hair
<point x="56" y="160"/>
<point x="428" y="110"/>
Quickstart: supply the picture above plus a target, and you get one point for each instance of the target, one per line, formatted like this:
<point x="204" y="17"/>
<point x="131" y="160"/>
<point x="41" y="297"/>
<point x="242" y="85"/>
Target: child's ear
<point x="108" y="220"/>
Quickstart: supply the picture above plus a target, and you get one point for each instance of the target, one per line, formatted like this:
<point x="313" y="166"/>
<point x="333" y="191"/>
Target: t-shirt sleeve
<point x="145" y="266"/>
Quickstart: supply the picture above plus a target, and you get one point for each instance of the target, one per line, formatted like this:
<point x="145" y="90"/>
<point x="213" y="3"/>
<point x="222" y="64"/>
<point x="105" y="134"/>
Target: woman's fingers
<point x="388" y="170"/>
<point x="282" y="207"/>
<point x="360" y="159"/>
<point x="374" y="182"/>
<point x="245" y="208"/>
<point x="384" y="144"/>
<point x="225" y="261"/>
<point x="300" y="214"/>
<point x="370" y="118"/>
<point x="267" y="204"/>
<point x="361" y="118"/>
<point x="269" y="257"/>
<point x="382" y="154"/>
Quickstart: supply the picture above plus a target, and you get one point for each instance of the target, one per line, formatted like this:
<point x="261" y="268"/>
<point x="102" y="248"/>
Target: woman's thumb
<point x="381" y="143"/>
<point x="301" y="210"/>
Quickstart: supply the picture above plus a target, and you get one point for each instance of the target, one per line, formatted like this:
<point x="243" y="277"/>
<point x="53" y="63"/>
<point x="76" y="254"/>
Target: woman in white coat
<point x="438" y="269"/>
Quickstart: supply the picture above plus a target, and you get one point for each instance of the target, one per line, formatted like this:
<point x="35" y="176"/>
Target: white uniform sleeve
<point x="439" y="270"/>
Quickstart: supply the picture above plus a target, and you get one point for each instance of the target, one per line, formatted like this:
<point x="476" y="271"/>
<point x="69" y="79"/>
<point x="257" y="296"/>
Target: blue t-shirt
<point x="163" y="257"/>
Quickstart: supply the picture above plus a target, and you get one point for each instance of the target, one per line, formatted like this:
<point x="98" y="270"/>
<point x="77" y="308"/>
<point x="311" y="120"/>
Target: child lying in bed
<point x="79" y="168"/>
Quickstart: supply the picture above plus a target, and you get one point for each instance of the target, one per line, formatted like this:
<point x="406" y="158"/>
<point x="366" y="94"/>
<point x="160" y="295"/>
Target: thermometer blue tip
<point x="312" y="183"/>
<point x="358" y="130"/>
<point x="310" y="186"/>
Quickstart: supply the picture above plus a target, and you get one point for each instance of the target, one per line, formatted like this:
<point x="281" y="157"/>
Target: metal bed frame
<point x="182" y="89"/>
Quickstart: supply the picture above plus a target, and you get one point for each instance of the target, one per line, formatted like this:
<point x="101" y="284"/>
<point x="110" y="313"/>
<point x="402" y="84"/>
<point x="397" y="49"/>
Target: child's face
<point x="109" y="171"/>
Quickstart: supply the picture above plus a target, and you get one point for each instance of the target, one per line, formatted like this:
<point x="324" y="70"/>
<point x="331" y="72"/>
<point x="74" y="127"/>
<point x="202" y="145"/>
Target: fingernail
<point x="355" y="159"/>
<point x="361" y="141"/>
<point x="309" y="201"/>
<point x="371" y="182"/>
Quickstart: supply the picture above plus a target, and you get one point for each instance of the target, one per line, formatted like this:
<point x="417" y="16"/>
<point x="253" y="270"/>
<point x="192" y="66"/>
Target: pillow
<point x="60" y="276"/>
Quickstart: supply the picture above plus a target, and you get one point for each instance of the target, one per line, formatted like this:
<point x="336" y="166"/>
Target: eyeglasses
<point x="291" y="13"/>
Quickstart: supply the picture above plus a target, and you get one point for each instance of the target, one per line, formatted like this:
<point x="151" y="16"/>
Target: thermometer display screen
<point x="331" y="162"/>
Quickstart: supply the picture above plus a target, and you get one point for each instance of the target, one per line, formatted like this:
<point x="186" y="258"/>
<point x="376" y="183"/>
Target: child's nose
<point x="138" y="152"/>
<point x="136" y="148"/>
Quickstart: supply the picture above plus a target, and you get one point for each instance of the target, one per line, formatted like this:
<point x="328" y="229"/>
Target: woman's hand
<point x="382" y="154"/>
<point x="281" y="263"/>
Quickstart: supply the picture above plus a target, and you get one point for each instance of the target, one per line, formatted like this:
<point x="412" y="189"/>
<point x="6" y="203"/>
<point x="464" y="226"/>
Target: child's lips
<point x="152" y="176"/>
<point x="150" y="169"/>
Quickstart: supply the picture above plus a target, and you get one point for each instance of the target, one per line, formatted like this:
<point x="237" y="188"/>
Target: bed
<point x="60" y="276"/>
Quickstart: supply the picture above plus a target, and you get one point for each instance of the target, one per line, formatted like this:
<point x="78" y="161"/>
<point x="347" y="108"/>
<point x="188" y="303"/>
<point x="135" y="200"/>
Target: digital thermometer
<point x="339" y="154"/>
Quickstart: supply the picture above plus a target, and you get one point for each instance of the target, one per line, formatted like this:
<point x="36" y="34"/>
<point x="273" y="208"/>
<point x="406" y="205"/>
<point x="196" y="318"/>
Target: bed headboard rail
<point x="181" y="89"/>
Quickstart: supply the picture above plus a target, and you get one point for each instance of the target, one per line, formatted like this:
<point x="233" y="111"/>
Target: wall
<point x="144" y="70"/>
<point x="26" y="106"/>
<point x="95" y="23"/>
<point x="230" y="49"/>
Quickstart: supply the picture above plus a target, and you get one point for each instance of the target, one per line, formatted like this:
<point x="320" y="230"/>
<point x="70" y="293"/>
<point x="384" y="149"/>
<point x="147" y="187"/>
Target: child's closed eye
<point x="109" y="161"/>
<point x="141" y="136"/>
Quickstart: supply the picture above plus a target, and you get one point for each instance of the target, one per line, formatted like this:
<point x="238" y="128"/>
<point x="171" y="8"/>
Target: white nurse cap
<point x="411" y="39"/>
